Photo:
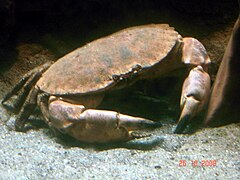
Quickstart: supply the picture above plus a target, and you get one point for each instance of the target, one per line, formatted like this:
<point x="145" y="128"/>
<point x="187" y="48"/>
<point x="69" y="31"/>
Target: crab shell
<point x="104" y="63"/>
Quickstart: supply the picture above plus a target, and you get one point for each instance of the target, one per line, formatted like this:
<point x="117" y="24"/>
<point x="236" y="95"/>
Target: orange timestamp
<point x="197" y="163"/>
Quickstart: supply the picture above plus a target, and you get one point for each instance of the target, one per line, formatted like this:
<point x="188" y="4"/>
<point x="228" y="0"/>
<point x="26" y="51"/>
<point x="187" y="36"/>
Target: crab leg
<point x="23" y="87"/>
<point x="18" y="86"/>
<point x="195" y="93"/>
<point x="28" y="107"/>
<point x="196" y="87"/>
<point x="194" y="54"/>
<point x="23" y="93"/>
<point x="95" y="125"/>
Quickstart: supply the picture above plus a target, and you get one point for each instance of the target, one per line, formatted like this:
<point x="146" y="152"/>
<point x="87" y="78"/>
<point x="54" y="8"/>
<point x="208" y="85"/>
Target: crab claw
<point x="189" y="110"/>
<point x="120" y="120"/>
<point x="101" y="126"/>
<point x="96" y="126"/>
<point x="195" y="93"/>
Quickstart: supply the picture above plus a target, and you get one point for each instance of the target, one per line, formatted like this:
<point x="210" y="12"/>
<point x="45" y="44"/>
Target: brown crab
<point x="68" y="91"/>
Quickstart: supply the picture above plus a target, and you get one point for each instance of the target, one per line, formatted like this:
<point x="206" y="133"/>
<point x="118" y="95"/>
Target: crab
<point x="69" y="90"/>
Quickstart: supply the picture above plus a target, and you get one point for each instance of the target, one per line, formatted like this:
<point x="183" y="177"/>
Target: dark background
<point x="84" y="18"/>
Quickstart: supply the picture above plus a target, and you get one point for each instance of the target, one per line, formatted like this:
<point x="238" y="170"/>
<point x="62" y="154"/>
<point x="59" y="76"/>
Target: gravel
<point x="38" y="154"/>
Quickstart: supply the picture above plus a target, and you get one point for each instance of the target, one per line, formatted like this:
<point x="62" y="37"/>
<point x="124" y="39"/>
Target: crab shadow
<point x="144" y="144"/>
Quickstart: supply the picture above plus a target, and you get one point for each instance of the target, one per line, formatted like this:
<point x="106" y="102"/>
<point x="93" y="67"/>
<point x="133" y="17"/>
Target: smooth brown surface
<point x="225" y="98"/>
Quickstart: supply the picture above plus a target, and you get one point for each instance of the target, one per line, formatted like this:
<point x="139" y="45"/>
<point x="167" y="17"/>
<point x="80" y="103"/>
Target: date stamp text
<point x="198" y="163"/>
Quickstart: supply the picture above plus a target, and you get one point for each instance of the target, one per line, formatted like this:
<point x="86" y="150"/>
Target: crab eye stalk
<point x="115" y="77"/>
<point x="136" y="68"/>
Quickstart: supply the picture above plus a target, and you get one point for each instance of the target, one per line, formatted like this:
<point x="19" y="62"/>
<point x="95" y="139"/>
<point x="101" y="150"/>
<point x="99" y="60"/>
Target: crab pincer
<point x="195" y="93"/>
